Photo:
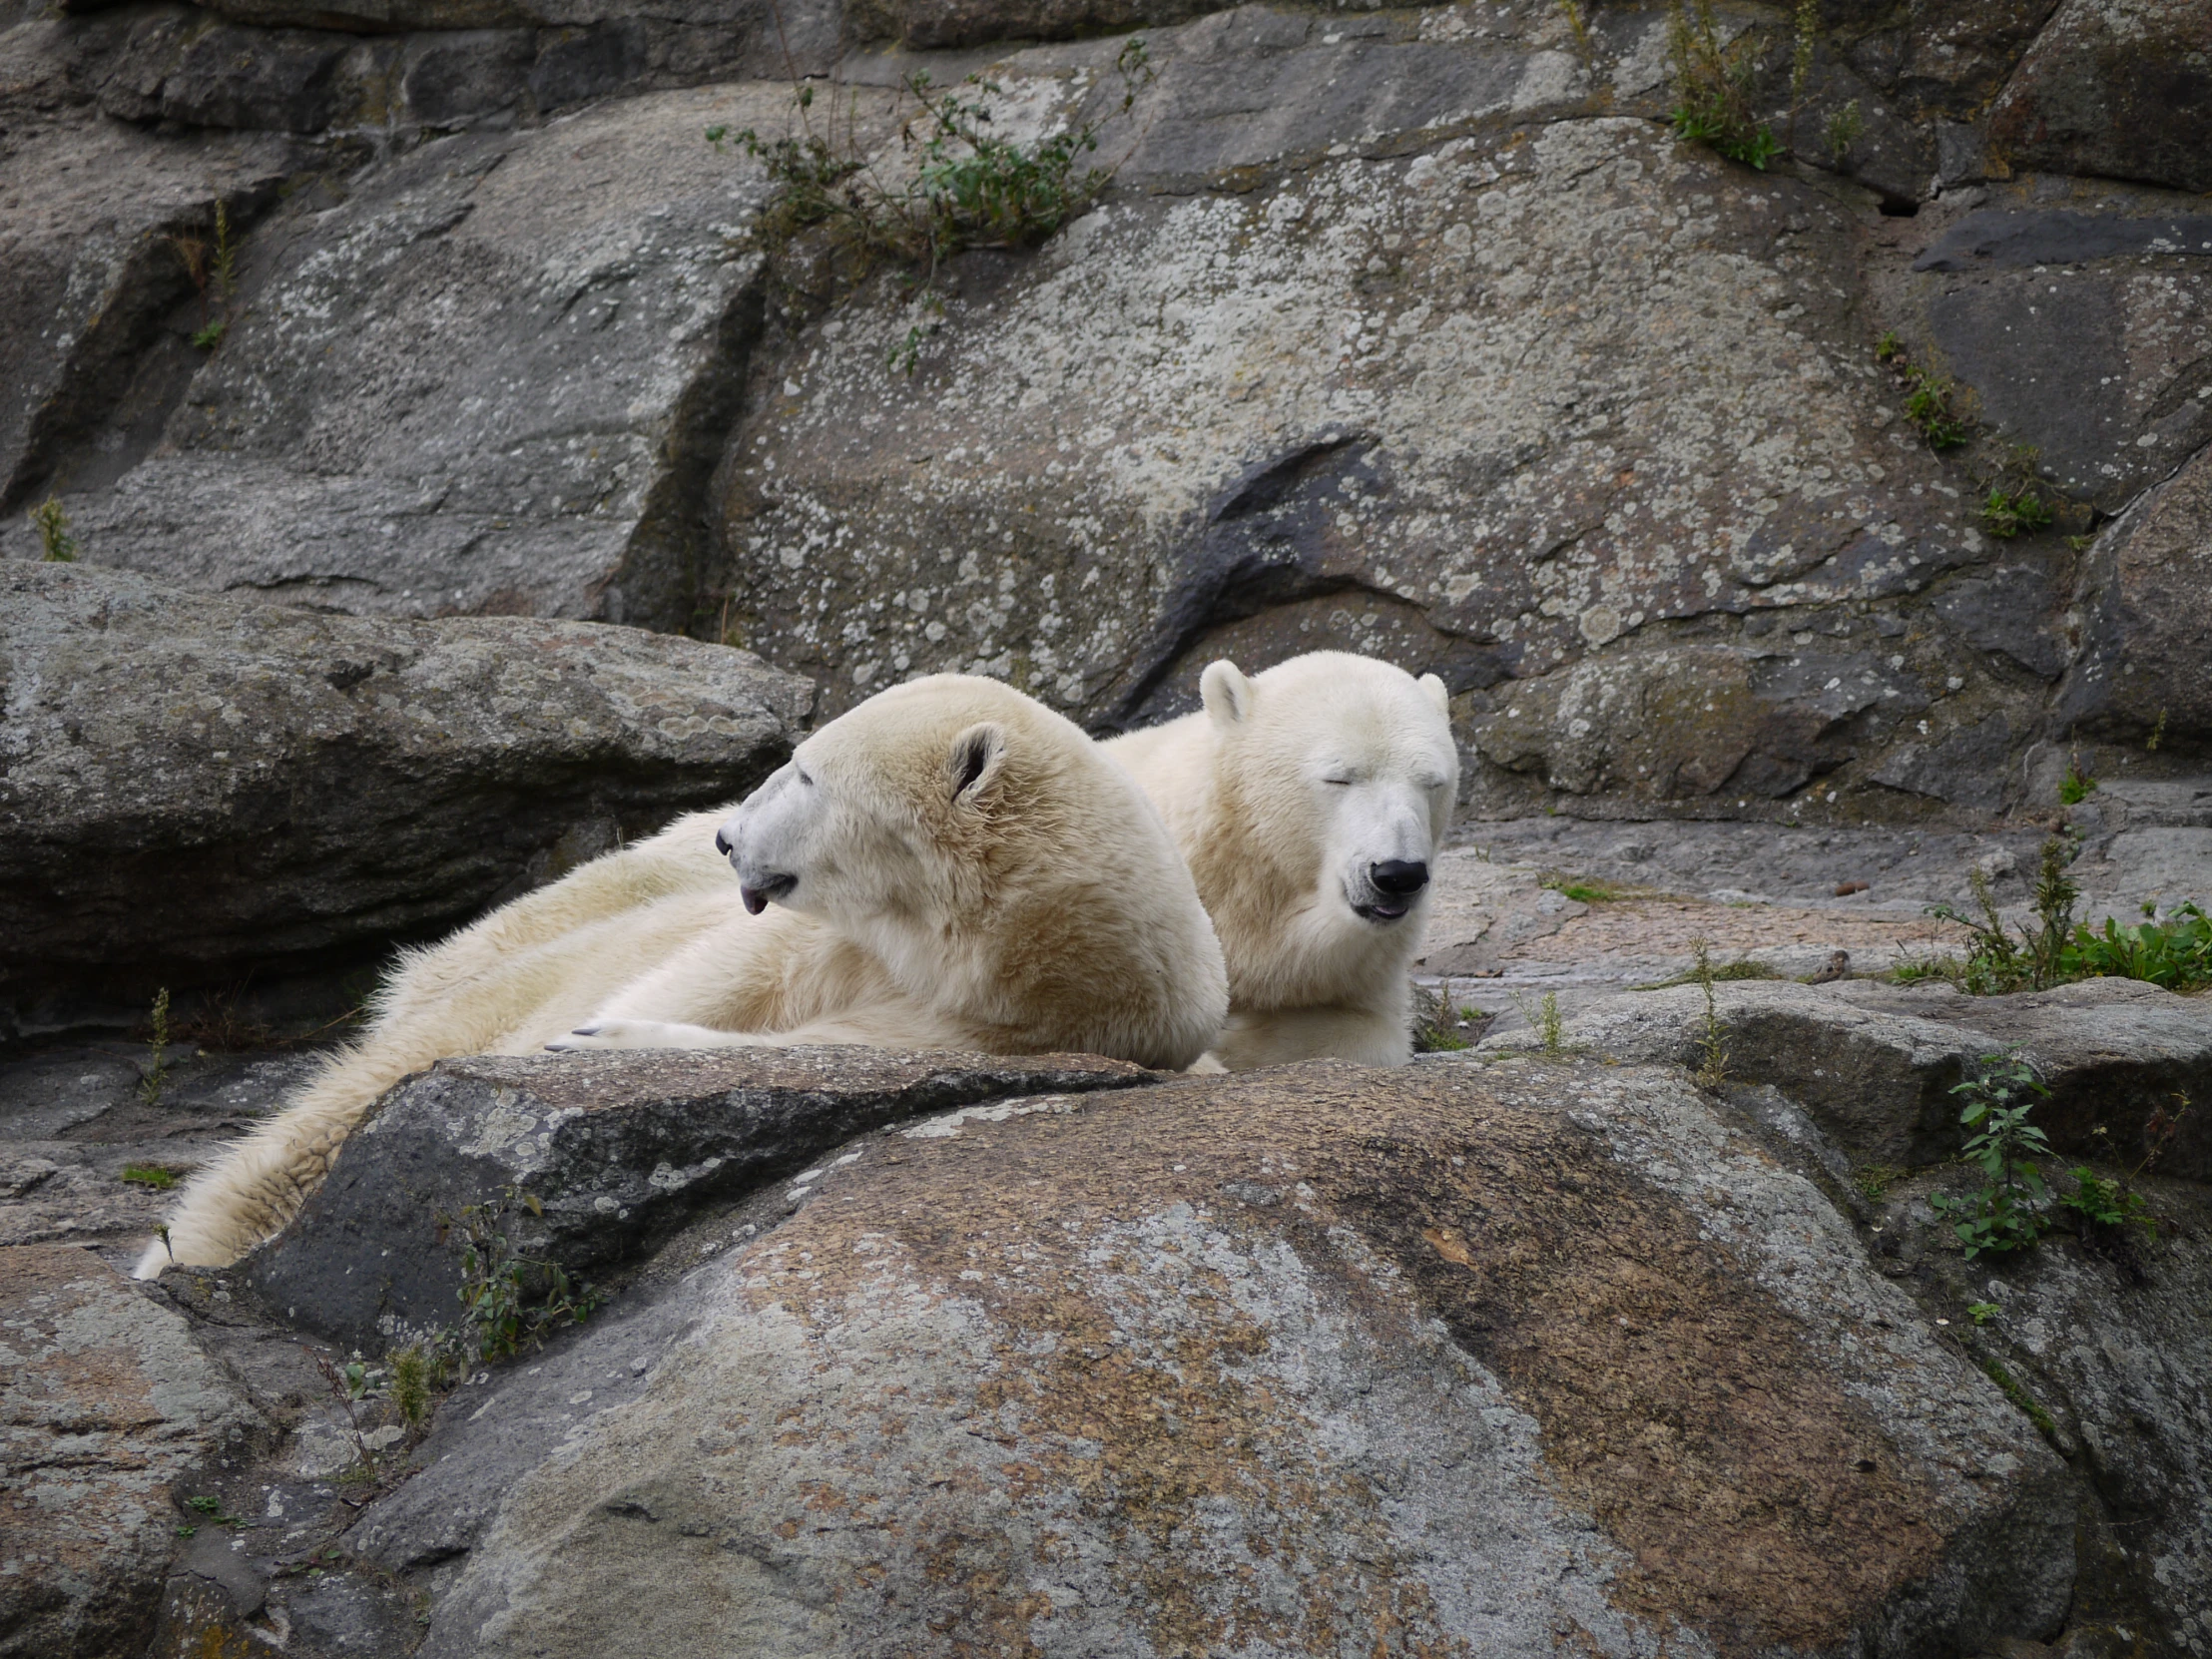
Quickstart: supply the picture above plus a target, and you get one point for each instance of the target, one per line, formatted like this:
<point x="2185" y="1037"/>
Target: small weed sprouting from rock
<point x="1875" y="1181"/>
<point x="1712" y="1067"/>
<point x="1441" y="1025"/>
<point x="2077" y="786"/>
<point x="156" y="1075"/>
<point x="1843" y="129"/>
<point x="149" y="1175"/>
<point x="211" y="1508"/>
<point x="410" y="1387"/>
<point x="2007" y="514"/>
<point x="212" y="269"/>
<point x="1714" y="86"/>
<point x="1997" y="963"/>
<point x="2003" y="1213"/>
<point x="1546" y="1021"/>
<point x="968" y="188"/>
<point x="1742" y="968"/>
<point x="1928" y="405"/>
<point x="511" y="1301"/>
<point x="1578" y="29"/>
<point x="1928" y="397"/>
<point x="56" y="545"/>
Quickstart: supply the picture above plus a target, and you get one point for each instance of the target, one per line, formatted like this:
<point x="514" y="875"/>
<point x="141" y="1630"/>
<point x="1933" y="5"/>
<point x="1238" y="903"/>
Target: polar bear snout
<point x="1400" y="877"/>
<point x="1391" y="887"/>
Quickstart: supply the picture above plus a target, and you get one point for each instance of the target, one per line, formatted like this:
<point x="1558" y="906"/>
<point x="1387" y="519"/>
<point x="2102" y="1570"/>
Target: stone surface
<point x="1874" y="1064"/>
<point x="620" y="1149"/>
<point x="1480" y="1360"/>
<point x="197" y="787"/>
<point x="2105" y="1331"/>
<point x="548" y="457"/>
<point x="2079" y="330"/>
<point x="108" y="1411"/>
<point x="2146" y="592"/>
<point x="2117" y="88"/>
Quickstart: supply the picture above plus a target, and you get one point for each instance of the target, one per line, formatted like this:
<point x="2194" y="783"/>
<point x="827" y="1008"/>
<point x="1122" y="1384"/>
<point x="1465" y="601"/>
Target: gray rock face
<point x="1279" y="1360"/>
<point x="196" y="787"/>
<point x="2117" y="88"/>
<point x="2147" y="589"/>
<point x="1874" y="1064"/>
<point x="107" y="1405"/>
<point x="619" y="1150"/>
<point x="549" y="456"/>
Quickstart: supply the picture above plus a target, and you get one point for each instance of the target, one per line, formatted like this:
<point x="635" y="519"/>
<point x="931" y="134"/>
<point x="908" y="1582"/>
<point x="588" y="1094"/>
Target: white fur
<point x="952" y="865"/>
<point x="1284" y="793"/>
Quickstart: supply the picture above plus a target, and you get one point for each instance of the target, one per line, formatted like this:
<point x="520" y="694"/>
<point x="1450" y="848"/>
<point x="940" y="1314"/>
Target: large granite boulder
<point x="197" y="789"/>
<point x="615" y="1152"/>
<point x="108" y="1409"/>
<point x="1459" y="1358"/>
<point x="2146" y="592"/>
<point x="495" y="377"/>
<point x="2120" y="89"/>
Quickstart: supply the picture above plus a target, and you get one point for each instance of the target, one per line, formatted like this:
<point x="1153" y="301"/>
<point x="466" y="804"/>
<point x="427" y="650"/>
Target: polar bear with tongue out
<point x="1310" y="800"/>
<point x="948" y="866"/>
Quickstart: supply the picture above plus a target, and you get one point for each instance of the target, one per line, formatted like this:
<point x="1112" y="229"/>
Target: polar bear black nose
<point x="722" y="842"/>
<point x="1398" y="877"/>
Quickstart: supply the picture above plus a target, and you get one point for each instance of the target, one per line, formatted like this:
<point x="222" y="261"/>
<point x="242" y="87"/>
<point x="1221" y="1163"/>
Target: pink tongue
<point x="755" y="900"/>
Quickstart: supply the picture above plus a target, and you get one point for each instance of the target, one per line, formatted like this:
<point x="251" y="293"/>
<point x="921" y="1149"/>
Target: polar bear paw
<point x="644" y="1033"/>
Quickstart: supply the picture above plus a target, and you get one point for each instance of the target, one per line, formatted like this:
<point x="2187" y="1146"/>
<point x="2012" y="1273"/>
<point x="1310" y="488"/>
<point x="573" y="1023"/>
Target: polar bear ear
<point x="976" y="757"/>
<point x="1436" y="691"/>
<point x="1226" y="692"/>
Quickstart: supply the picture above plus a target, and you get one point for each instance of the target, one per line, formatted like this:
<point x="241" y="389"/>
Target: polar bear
<point x="950" y="866"/>
<point x="1310" y="800"/>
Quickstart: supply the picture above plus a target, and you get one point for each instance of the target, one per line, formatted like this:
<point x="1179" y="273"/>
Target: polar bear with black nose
<point x="1310" y="800"/>
<point x="948" y="866"/>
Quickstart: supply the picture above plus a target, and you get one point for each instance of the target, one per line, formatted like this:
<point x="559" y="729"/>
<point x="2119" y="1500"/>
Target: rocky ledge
<point x="935" y="1355"/>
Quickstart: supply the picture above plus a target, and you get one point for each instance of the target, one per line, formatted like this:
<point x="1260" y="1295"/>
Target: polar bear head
<point x="996" y="862"/>
<point x="1340" y="773"/>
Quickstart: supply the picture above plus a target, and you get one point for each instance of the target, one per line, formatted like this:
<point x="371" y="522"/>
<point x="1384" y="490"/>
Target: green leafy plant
<point x="1998" y="965"/>
<point x="2003" y="1213"/>
<point x="964" y="187"/>
<point x="1928" y="405"/>
<point x="511" y="1301"/>
<point x="1441" y="1024"/>
<point x="2007" y="514"/>
<point x="149" y="1175"/>
<point x="2175" y="953"/>
<point x="1714" y="87"/>
<point x="156" y="1075"/>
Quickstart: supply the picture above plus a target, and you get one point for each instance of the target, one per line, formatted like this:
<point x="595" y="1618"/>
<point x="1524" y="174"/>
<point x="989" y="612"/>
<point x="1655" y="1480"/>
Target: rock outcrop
<point x="198" y="789"/>
<point x="1479" y="1359"/>
<point x="107" y="1405"/>
<point x="1411" y="330"/>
